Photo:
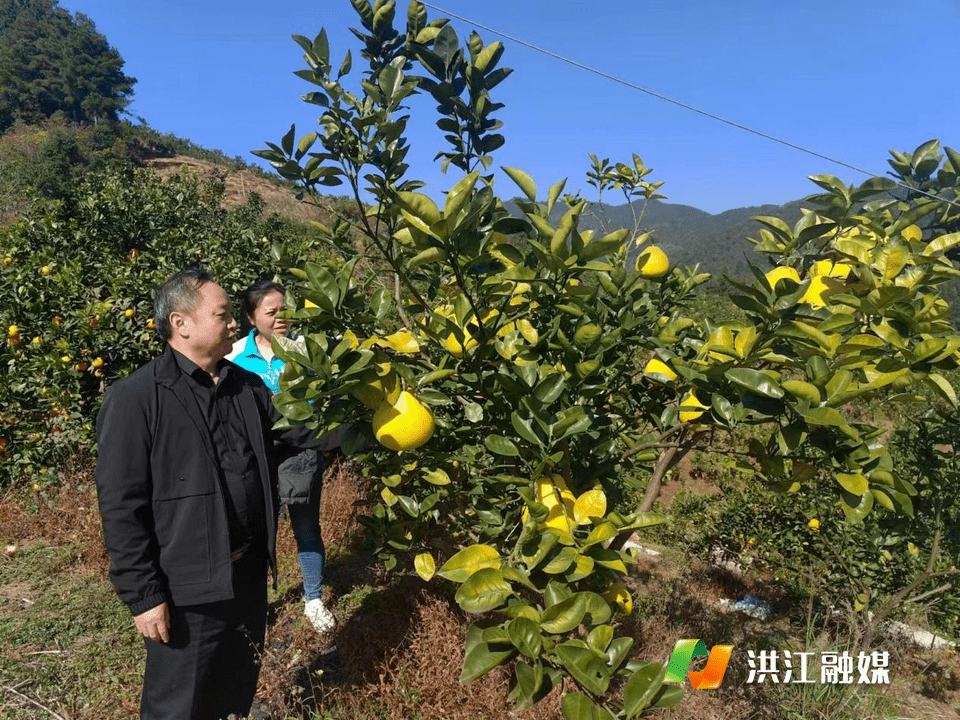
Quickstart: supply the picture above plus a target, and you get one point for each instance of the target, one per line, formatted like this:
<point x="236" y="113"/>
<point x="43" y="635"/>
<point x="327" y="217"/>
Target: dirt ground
<point x="398" y="647"/>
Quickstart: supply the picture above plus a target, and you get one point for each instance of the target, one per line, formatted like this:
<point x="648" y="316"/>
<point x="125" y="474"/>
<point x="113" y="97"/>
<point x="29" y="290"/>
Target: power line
<point x="685" y="106"/>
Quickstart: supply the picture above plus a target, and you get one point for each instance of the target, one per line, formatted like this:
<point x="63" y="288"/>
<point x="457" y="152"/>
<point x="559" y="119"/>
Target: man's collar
<point x="188" y="367"/>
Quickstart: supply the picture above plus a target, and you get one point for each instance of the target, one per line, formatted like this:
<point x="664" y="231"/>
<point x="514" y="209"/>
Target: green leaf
<point x="525" y="684"/>
<point x="579" y="706"/>
<point x="642" y="687"/>
<point x="436" y="477"/>
<point x="513" y="573"/>
<point x="425" y="566"/>
<point x="420" y="211"/>
<point x="940" y="245"/>
<point x="617" y="651"/>
<point x="853" y="483"/>
<point x="755" y="381"/>
<point x="468" y="561"/>
<point x="525" y="429"/>
<point x="460" y="194"/>
<point x="287" y="141"/>
<point x="555" y="592"/>
<point x="550" y="388"/>
<point x="601" y="533"/>
<point x="824" y="416"/>
<point x="435" y="376"/>
<point x="536" y="548"/>
<point x="553" y="193"/>
<point x="585" y="667"/>
<point x="603" y="246"/>
<point x="856" y="508"/>
<point x="565" y="615"/>
<point x="481" y="659"/>
<point x="483" y="591"/>
<point x="523" y="181"/>
<point x="942" y="387"/>
<point x="561" y="561"/>
<point x="600" y="637"/>
<point x="473" y="412"/>
<point x="410" y="506"/>
<point x="525" y="635"/>
<point x="803" y="390"/>
<point x="425" y="257"/>
<point x="500" y="445"/>
<point x="294" y="409"/>
<point x="669" y="696"/>
<point x="581" y="569"/>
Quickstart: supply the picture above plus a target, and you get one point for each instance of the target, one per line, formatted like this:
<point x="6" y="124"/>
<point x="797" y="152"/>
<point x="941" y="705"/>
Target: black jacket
<point x="164" y="514"/>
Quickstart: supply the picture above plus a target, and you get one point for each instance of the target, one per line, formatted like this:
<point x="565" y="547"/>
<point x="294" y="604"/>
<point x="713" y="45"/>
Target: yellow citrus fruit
<point x="8" y="260"/>
<point x="552" y="491"/>
<point x="782" y="272"/>
<point x="13" y="330"/>
<point x="656" y="365"/>
<point x="813" y="524"/>
<point x="37" y="340"/>
<point x="129" y="312"/>
<point x="818" y="293"/>
<point x="66" y="358"/>
<point x="617" y="594"/>
<point x="591" y="504"/>
<point x="688" y="405"/>
<point x="375" y="389"/>
<point x="45" y="269"/>
<point x="403" y="341"/>
<point x="839" y="270"/>
<point x="454" y="347"/>
<point x="405" y="425"/>
<point x="97" y="363"/>
<point x="452" y="344"/>
<point x="151" y="325"/>
<point x="652" y="263"/>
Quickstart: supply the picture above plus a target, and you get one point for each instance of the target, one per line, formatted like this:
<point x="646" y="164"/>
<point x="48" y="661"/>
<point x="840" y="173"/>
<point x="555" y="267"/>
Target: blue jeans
<point x="305" y="522"/>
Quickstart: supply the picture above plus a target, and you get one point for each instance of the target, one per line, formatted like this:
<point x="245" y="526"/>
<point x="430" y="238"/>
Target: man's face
<point x="212" y="326"/>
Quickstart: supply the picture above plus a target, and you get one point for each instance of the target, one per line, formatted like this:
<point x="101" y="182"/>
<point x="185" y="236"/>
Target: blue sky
<point x="847" y="79"/>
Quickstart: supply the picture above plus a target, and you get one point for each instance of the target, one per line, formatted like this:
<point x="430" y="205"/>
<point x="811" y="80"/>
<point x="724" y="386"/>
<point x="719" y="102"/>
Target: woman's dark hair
<point x="252" y="297"/>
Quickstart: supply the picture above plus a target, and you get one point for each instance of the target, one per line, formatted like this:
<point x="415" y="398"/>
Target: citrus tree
<point x="513" y="368"/>
<point x="76" y="302"/>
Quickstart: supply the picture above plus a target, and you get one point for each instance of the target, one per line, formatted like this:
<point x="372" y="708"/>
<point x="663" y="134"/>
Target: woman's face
<point x="265" y="318"/>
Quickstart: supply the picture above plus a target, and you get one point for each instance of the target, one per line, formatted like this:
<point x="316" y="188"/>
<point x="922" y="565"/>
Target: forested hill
<point x="688" y="235"/>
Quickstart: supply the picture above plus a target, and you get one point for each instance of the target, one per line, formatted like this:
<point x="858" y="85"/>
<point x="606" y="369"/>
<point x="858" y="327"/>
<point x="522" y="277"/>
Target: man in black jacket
<point x="186" y="483"/>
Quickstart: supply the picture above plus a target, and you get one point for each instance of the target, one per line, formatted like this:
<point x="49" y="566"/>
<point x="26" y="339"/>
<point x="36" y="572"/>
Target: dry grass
<point x="400" y="640"/>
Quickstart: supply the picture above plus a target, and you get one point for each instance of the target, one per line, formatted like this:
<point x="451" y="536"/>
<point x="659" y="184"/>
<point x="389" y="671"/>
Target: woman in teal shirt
<point x="301" y="476"/>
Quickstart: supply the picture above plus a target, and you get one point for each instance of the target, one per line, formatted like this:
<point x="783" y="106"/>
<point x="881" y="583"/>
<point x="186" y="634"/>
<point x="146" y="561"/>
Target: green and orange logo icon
<point x="712" y="674"/>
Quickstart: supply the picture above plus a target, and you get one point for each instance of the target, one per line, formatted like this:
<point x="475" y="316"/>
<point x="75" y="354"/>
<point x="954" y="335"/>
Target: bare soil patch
<point x="240" y="185"/>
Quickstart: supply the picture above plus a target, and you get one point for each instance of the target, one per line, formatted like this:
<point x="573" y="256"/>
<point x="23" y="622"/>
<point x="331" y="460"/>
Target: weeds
<point x="68" y="645"/>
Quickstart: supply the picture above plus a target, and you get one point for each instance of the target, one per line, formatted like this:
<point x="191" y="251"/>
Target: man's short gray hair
<point x="181" y="293"/>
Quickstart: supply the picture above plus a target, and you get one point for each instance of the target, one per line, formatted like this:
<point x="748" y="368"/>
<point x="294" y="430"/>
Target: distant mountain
<point x="688" y="235"/>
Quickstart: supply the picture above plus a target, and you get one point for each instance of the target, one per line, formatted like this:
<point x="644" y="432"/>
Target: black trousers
<point x="209" y="668"/>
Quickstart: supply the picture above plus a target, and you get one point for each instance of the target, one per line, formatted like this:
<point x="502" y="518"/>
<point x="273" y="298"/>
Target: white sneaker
<point x="322" y="619"/>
